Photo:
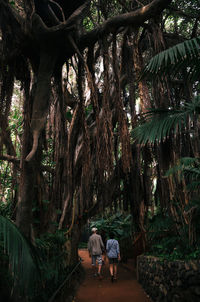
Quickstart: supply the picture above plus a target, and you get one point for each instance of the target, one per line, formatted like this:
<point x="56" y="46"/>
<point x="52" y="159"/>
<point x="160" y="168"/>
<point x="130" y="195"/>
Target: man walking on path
<point x="96" y="248"/>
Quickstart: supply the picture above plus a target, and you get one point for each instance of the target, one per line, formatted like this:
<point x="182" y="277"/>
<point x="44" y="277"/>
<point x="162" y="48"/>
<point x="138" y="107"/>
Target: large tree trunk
<point x="75" y="237"/>
<point x="27" y="176"/>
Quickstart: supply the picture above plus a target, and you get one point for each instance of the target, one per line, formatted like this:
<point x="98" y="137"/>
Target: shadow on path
<point x="125" y="289"/>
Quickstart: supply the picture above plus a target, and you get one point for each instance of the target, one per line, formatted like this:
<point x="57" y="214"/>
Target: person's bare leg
<point x="111" y="272"/>
<point x="115" y="270"/>
<point x="99" y="269"/>
<point x="94" y="269"/>
<point x="111" y="269"/>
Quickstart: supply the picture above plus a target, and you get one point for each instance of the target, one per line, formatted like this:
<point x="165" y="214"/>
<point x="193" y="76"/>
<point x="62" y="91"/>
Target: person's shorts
<point x="96" y="258"/>
<point x="113" y="260"/>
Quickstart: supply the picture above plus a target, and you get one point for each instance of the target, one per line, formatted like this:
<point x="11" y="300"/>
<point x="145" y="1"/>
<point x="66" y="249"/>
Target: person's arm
<point x="89" y="248"/>
<point x="118" y="251"/>
<point x="107" y="246"/>
<point x="102" y="245"/>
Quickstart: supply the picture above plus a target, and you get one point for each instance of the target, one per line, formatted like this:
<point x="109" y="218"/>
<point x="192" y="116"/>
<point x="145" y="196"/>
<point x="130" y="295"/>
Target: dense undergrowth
<point x="171" y="239"/>
<point x="33" y="270"/>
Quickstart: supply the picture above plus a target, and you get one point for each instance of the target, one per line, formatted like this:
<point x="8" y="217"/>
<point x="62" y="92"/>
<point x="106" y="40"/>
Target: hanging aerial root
<point x="30" y="156"/>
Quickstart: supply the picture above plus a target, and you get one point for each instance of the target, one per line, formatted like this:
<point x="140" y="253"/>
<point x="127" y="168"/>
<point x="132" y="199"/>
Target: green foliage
<point x="37" y="270"/>
<point x="179" y="57"/>
<point x="16" y="125"/>
<point x="49" y="245"/>
<point x="119" y="224"/>
<point x="166" y="242"/>
<point x="6" y="185"/>
<point x="22" y="256"/>
<point x="160" y="123"/>
<point x="12" y="3"/>
<point x="6" y="280"/>
<point x="6" y="209"/>
<point x="83" y="245"/>
<point x="188" y="168"/>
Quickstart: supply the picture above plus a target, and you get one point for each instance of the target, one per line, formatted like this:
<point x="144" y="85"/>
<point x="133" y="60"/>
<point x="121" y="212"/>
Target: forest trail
<point x="125" y="289"/>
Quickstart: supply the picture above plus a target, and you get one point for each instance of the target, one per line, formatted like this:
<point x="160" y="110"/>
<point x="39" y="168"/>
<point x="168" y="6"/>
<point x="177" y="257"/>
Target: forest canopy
<point x="99" y="104"/>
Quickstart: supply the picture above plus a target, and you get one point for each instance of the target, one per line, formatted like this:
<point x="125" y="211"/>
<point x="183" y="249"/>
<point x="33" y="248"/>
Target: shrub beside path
<point x="125" y="289"/>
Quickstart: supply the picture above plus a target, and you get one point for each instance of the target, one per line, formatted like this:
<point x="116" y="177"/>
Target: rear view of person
<point x="96" y="248"/>
<point x="113" y="253"/>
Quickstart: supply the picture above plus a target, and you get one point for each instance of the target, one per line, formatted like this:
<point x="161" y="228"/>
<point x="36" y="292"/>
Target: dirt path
<point x="125" y="289"/>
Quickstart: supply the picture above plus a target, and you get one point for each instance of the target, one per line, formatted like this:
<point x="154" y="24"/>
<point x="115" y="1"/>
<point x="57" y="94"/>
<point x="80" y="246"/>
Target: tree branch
<point x="40" y="28"/>
<point x="10" y="158"/>
<point x="135" y="18"/>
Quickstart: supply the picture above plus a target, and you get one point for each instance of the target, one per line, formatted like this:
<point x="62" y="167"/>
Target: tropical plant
<point x="159" y="125"/>
<point x="183" y="56"/>
<point x="32" y="268"/>
<point x="188" y="167"/>
<point x="119" y="224"/>
<point x="23" y="260"/>
<point x="165" y="242"/>
<point x="161" y="122"/>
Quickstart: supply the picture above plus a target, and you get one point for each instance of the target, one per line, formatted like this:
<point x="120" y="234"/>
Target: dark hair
<point x="111" y="235"/>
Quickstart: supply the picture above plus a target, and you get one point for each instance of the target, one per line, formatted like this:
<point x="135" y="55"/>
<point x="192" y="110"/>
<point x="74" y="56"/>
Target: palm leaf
<point x="183" y="164"/>
<point x="159" y="123"/>
<point x="194" y="185"/>
<point x="176" y="58"/>
<point x="188" y="167"/>
<point x="22" y="258"/>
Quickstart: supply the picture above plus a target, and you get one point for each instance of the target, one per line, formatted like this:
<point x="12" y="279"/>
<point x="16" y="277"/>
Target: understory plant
<point x="31" y="271"/>
<point x="119" y="224"/>
<point x="169" y="239"/>
<point x="174" y="231"/>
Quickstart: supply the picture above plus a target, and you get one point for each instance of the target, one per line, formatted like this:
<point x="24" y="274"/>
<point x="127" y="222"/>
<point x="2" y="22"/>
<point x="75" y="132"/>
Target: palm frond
<point x="185" y="163"/>
<point x="22" y="259"/>
<point x="159" y="123"/>
<point x="184" y="55"/>
<point x="193" y="173"/>
<point x="158" y="126"/>
<point x="194" y="185"/>
<point x="188" y="168"/>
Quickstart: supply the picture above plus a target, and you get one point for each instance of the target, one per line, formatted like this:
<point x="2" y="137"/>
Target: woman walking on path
<point x="113" y="253"/>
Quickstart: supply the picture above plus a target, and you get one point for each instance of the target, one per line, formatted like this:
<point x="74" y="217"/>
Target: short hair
<point x="111" y="235"/>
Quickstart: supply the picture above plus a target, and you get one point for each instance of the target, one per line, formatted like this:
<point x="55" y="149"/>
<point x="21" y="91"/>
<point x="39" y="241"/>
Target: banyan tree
<point x="78" y="65"/>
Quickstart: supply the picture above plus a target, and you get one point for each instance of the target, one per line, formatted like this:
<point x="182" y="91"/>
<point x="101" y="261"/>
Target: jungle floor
<point x="125" y="289"/>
